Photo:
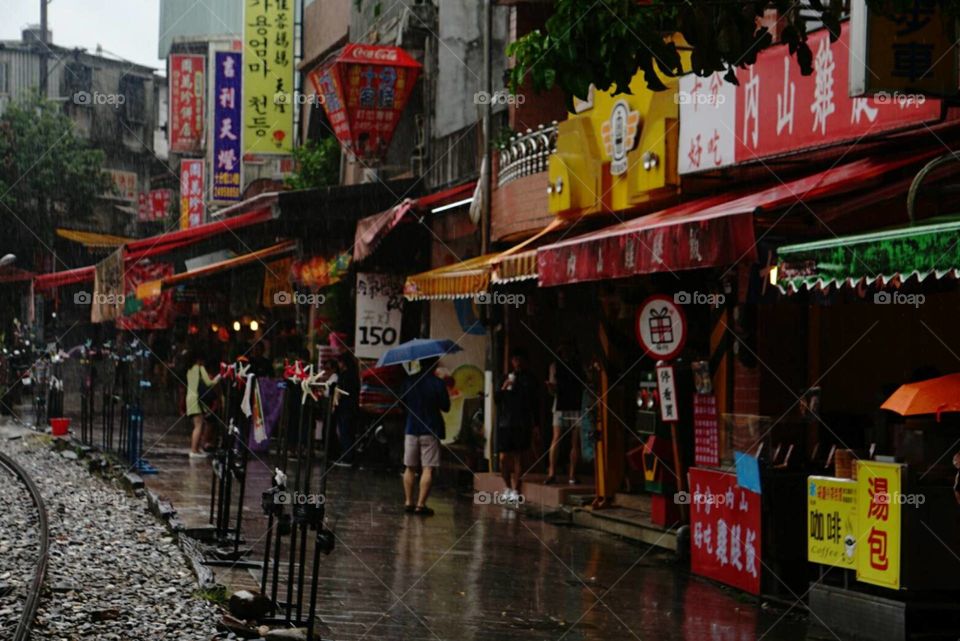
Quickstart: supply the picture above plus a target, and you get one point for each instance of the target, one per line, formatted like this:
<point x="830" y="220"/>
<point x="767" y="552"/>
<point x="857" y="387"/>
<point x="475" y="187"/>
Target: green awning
<point x="877" y="258"/>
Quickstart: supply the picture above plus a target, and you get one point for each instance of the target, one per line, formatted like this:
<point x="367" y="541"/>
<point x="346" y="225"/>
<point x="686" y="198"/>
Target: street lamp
<point x="8" y="260"/>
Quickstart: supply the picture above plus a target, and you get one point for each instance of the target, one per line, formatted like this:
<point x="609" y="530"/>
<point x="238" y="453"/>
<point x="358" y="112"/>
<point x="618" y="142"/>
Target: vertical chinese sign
<point x="228" y="101"/>
<point x="379" y="312"/>
<point x="832" y="521"/>
<point x="191" y="192"/>
<point x="268" y="76"/>
<point x="879" y="487"/>
<point x="725" y="530"/>
<point x="186" y="102"/>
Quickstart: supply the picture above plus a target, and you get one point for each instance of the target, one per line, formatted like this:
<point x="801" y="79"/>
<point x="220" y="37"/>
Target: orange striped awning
<point x="460" y="280"/>
<point x="514" y="268"/>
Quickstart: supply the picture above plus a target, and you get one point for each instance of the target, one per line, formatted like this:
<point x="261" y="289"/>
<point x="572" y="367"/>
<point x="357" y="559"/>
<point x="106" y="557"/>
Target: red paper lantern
<point x="364" y="89"/>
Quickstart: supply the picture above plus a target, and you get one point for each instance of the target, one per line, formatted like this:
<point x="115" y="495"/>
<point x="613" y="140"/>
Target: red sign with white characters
<point x="191" y="192"/>
<point x="186" y="102"/>
<point x="777" y="111"/>
<point x="706" y="430"/>
<point x="364" y="91"/>
<point x="725" y="541"/>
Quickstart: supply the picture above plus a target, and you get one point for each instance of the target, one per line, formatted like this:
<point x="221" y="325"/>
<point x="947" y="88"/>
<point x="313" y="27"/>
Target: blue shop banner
<point x="227" y="153"/>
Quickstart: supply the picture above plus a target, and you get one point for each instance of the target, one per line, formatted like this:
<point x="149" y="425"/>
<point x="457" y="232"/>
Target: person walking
<point x="199" y="391"/>
<point x="516" y="421"/>
<point x="566" y="384"/>
<point x="345" y="419"/>
<point x="425" y="397"/>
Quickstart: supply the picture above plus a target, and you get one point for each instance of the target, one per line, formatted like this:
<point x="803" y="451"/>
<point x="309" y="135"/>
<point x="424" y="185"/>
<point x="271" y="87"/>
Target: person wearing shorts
<point x="566" y="384"/>
<point x="425" y="397"/>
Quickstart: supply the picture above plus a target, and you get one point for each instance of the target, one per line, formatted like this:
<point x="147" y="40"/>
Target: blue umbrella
<point x="418" y="349"/>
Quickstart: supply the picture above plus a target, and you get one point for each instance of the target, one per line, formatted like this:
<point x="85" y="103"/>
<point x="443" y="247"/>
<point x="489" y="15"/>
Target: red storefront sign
<point x="191" y="192"/>
<point x="186" y="102"/>
<point x="706" y="431"/>
<point x="777" y="111"/>
<point x="725" y="538"/>
<point x="671" y="240"/>
<point x="364" y="91"/>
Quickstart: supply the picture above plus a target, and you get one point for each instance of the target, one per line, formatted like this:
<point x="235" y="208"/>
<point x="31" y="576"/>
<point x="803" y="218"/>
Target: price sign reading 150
<point x="377" y="335"/>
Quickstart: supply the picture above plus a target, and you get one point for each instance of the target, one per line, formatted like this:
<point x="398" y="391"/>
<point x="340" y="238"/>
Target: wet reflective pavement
<point x="476" y="572"/>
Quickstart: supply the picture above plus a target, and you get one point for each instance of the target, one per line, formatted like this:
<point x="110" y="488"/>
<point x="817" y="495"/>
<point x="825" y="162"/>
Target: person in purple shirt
<point x="424" y="396"/>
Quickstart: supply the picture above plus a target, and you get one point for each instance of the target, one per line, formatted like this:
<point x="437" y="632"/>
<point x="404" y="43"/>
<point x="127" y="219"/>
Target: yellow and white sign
<point x="268" y="68"/>
<point x="879" y="490"/>
<point x="832" y="521"/>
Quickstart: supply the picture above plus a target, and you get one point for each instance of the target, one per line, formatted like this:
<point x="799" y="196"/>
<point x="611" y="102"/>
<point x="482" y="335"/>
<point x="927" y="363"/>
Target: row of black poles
<point x="230" y="459"/>
<point x="294" y="507"/>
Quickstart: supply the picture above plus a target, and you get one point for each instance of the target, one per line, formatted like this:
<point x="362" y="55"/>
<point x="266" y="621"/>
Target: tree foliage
<point x="48" y="175"/>
<point x="318" y="164"/>
<point x="607" y="44"/>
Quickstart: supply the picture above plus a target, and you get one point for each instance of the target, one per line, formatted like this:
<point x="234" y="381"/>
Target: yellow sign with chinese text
<point x="268" y="68"/>
<point x="832" y="521"/>
<point x="879" y="493"/>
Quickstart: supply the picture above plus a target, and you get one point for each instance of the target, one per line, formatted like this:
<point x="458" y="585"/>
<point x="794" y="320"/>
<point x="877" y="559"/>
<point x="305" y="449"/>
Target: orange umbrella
<point x="932" y="396"/>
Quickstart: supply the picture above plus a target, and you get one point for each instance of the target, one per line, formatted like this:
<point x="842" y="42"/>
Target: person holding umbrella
<point x="425" y="397"/>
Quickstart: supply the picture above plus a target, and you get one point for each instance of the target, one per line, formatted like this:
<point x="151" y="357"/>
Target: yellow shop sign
<point x="832" y="521"/>
<point x="617" y="152"/>
<point x="879" y="488"/>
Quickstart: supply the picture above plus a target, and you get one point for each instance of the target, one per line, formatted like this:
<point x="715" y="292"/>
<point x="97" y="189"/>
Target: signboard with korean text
<point x="187" y="84"/>
<point x="363" y="91"/>
<point x="879" y="487"/>
<point x="725" y="537"/>
<point x="706" y="431"/>
<point x="379" y="312"/>
<point x="661" y="327"/>
<point x="227" y="130"/>
<point x="832" y="521"/>
<point x="268" y="84"/>
<point x="902" y="50"/>
<point x="191" y="192"/>
<point x="776" y="111"/>
<point x="667" y="390"/>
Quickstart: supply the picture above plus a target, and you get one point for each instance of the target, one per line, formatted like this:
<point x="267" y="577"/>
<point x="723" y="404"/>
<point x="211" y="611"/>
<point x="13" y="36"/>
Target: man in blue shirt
<point x="424" y="397"/>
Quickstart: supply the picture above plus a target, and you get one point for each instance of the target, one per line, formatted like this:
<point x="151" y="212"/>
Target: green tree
<point x="318" y="164"/>
<point x="48" y="175"/>
<point x="607" y="44"/>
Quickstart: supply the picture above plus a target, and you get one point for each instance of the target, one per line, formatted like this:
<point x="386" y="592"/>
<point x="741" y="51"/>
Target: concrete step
<point x="628" y="523"/>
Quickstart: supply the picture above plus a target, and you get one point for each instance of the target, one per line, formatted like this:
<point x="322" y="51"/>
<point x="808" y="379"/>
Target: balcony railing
<point x="527" y="154"/>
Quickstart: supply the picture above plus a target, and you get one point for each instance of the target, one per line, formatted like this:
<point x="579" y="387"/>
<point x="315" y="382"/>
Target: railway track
<point x="31" y="599"/>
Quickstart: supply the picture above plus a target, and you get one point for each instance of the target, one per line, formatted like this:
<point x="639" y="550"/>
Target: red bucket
<point x="59" y="426"/>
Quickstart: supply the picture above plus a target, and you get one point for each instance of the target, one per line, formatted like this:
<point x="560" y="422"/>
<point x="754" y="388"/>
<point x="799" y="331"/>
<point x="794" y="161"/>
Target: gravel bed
<point x="115" y="573"/>
<point x="19" y="549"/>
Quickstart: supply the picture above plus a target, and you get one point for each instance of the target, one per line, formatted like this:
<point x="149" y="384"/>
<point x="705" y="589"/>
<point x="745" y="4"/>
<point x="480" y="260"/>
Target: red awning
<point x="710" y="232"/>
<point x="202" y="232"/>
<point x="147" y="247"/>
<point x="447" y="196"/>
<point x="372" y="229"/>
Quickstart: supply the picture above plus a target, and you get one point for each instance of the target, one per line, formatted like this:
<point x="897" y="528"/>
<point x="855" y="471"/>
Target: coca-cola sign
<point x="364" y="91"/>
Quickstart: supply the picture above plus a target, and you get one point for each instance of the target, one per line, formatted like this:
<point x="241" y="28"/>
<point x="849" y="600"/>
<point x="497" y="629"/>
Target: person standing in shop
<point x="565" y="383"/>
